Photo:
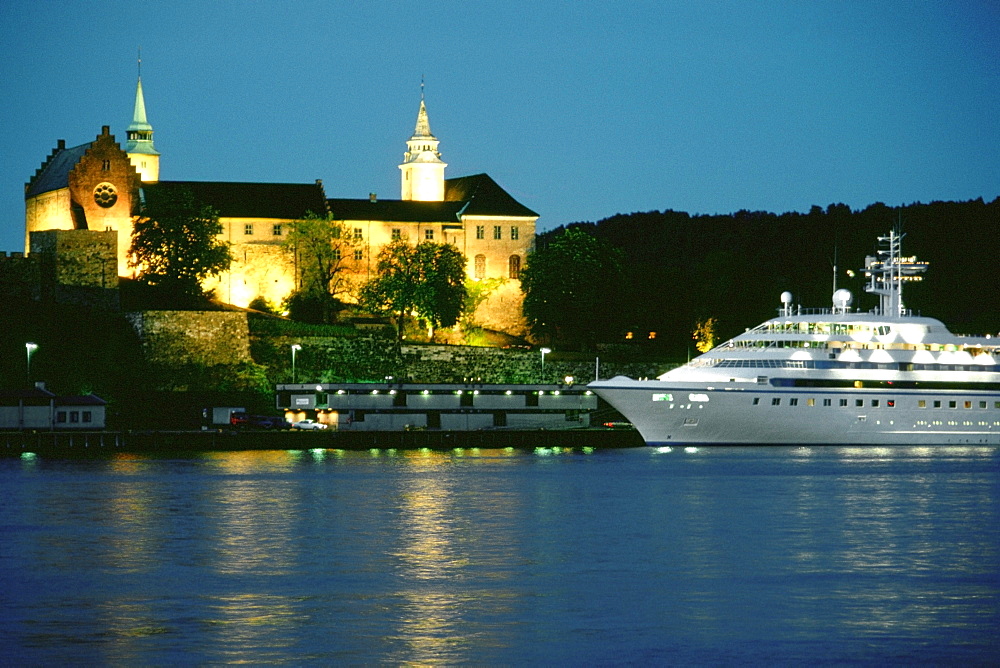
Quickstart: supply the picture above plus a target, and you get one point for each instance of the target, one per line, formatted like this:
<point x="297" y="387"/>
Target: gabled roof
<point x="81" y="400"/>
<point x="54" y="173"/>
<point x="395" y="210"/>
<point x="287" y="201"/>
<point x="484" y="197"/>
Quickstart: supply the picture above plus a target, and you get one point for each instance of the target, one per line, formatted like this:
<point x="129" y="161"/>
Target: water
<point x="643" y="556"/>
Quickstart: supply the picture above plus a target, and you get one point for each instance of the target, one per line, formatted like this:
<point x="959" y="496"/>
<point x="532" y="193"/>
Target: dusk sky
<point x="579" y="109"/>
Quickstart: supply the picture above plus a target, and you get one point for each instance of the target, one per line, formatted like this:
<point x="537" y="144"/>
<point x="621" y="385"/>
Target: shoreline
<point x="97" y="443"/>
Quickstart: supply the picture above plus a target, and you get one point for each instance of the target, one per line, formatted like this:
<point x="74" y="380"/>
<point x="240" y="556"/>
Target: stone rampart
<point x="193" y="337"/>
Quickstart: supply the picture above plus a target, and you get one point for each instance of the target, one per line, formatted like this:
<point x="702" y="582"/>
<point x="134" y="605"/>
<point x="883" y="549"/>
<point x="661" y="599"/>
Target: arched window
<point x="480" y="266"/>
<point x="514" y="266"/>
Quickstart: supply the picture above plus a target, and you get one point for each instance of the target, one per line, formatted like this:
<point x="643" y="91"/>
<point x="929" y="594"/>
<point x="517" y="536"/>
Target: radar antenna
<point x="888" y="270"/>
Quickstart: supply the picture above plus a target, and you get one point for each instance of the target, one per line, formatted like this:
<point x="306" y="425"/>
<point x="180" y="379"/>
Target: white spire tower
<point x="423" y="170"/>
<point x="139" y="146"/>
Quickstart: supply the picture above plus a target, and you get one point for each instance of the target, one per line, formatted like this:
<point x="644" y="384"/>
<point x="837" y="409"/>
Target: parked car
<point x="258" y="421"/>
<point x="308" y="424"/>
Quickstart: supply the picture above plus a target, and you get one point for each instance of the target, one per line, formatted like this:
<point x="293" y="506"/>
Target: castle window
<point x="359" y="254"/>
<point x="277" y="230"/>
<point x="514" y="266"/>
<point x="480" y="231"/>
<point x="429" y="235"/>
<point x="497" y="232"/>
<point x="106" y="165"/>
<point x="357" y="232"/>
<point x="514" y="234"/>
<point x="480" y="266"/>
<point x="248" y="229"/>
<point x="396" y="234"/>
<point x="336" y="254"/>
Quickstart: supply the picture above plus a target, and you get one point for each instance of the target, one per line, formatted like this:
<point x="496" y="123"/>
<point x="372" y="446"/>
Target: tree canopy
<point x="427" y="280"/>
<point x="175" y="242"/>
<point x="321" y="248"/>
<point x="571" y="286"/>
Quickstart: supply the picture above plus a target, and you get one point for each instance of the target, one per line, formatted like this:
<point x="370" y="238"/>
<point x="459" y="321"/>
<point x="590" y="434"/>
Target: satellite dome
<point x="842" y="298"/>
<point x="786" y="298"/>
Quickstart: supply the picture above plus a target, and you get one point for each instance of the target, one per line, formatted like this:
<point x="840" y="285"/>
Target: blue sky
<point x="579" y="109"/>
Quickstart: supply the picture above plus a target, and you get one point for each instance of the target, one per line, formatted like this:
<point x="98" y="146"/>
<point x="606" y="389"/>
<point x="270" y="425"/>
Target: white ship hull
<point x="670" y="413"/>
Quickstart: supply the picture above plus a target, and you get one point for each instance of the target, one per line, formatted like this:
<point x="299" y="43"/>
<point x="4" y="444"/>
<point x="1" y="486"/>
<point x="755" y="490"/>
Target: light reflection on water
<point x="499" y="556"/>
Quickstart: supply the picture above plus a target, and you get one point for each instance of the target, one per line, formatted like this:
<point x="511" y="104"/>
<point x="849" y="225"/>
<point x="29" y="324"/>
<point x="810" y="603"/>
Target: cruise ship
<point x="832" y="376"/>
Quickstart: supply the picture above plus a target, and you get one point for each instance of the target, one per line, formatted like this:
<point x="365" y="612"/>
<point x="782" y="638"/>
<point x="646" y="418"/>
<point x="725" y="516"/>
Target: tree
<point x="704" y="334"/>
<point x="571" y="288"/>
<point x="175" y="242"/>
<point x="321" y="248"/>
<point x="426" y="280"/>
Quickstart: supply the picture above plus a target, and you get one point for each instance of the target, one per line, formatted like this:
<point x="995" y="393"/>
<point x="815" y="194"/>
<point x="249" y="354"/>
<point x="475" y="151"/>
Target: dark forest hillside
<point x="734" y="267"/>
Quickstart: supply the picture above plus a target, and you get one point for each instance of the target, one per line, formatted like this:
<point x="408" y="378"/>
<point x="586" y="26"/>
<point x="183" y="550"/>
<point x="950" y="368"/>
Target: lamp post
<point x="543" y="351"/>
<point x="30" y="348"/>
<point x="295" y="347"/>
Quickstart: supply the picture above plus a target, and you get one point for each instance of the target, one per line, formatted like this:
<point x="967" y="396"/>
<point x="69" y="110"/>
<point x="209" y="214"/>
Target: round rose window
<point x="105" y="195"/>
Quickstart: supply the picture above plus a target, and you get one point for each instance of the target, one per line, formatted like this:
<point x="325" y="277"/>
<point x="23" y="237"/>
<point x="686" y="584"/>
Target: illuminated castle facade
<point x="98" y="186"/>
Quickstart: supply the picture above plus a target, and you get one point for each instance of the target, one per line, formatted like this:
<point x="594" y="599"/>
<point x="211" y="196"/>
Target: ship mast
<point x="888" y="270"/>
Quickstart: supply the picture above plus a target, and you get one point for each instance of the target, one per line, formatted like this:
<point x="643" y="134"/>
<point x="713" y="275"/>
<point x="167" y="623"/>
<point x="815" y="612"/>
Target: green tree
<point x="321" y="248"/>
<point x="571" y="288"/>
<point x="175" y="242"/>
<point x="426" y="280"/>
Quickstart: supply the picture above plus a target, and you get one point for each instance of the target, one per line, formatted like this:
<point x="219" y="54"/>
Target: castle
<point x="98" y="186"/>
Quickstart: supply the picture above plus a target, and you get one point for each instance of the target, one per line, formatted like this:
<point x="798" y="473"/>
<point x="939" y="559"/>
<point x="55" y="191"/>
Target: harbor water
<point x="642" y="556"/>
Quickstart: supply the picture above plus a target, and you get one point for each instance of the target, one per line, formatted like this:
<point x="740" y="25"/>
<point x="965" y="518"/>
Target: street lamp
<point x="295" y="347"/>
<point x="544" y="350"/>
<point x="30" y="348"/>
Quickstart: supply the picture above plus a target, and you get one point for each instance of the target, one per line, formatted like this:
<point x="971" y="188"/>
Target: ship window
<point x="810" y="402"/>
<point x="982" y="404"/>
<point x="859" y="402"/>
<point x="843" y="402"/>
<point x="891" y="403"/>
<point x="827" y="402"/>
<point x="793" y="402"/>
<point x="874" y="403"/>
<point x="952" y="404"/>
<point x="776" y="401"/>
<point x="756" y="401"/>
<point x="937" y="404"/>
<point x="921" y="404"/>
<point x="968" y="404"/>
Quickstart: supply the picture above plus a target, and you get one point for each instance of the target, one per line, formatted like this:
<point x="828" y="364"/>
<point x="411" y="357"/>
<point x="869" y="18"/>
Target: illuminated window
<point x="652" y="335"/>
<point x="628" y="336"/>
<point x="968" y="404"/>
<point x="276" y="230"/>
<point x="810" y="402"/>
<point x="514" y="266"/>
<point x="480" y="231"/>
<point x="429" y="235"/>
<point x="922" y="404"/>
<point x="497" y="232"/>
<point x="480" y="266"/>
<point x="248" y="229"/>
<point x="514" y="234"/>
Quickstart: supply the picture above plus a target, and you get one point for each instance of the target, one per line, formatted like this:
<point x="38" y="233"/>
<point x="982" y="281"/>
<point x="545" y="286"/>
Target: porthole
<point x="105" y="195"/>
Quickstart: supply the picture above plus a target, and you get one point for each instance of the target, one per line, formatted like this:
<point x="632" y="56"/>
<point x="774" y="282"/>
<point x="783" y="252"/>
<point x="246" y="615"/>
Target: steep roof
<point x="395" y="210"/>
<point x="288" y="201"/>
<point x="54" y="172"/>
<point x="484" y="197"/>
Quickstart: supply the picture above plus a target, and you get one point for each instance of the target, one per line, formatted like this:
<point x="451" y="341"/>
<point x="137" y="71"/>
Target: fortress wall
<point x="193" y="337"/>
